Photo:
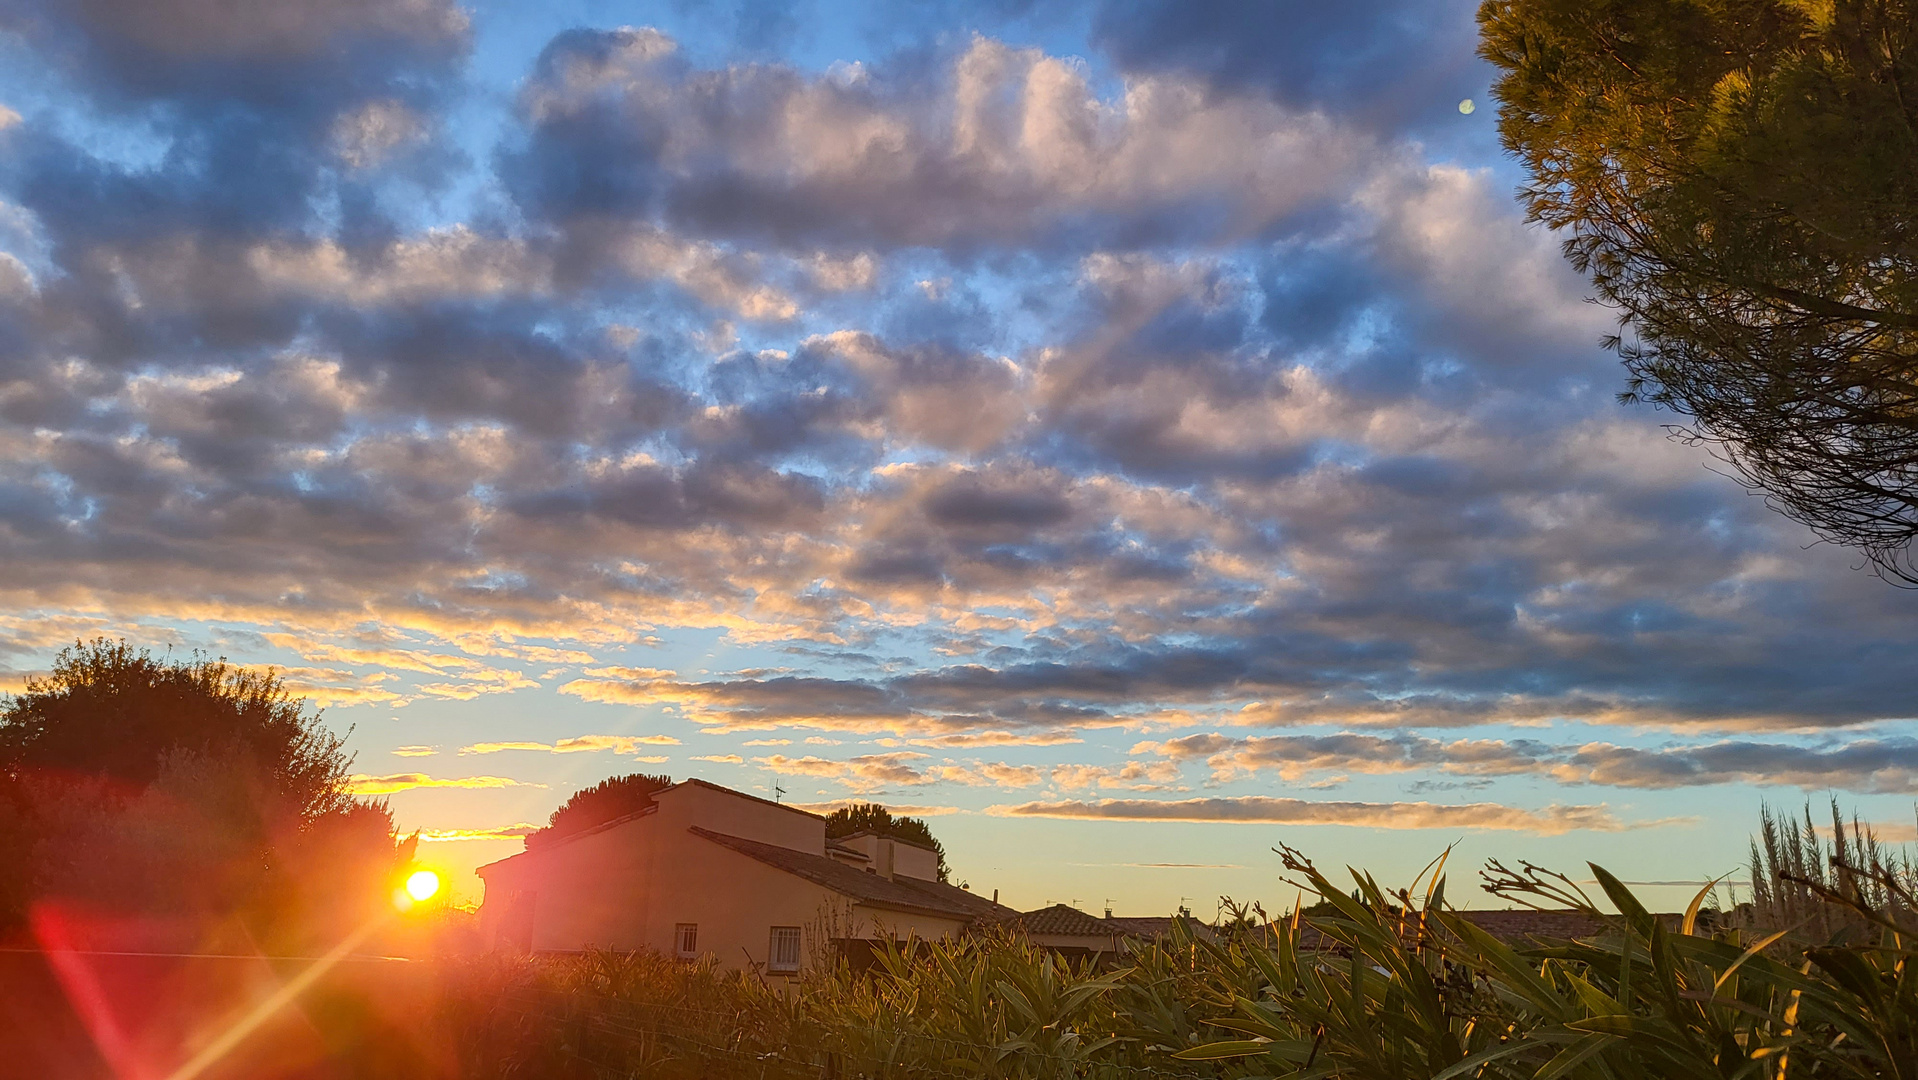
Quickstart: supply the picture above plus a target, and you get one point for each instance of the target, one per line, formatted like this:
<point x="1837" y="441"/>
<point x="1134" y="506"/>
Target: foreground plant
<point x="1383" y="985"/>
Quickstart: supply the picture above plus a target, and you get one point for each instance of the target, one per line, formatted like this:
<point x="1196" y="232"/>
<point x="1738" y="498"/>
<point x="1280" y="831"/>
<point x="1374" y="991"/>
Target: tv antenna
<point x="777" y="790"/>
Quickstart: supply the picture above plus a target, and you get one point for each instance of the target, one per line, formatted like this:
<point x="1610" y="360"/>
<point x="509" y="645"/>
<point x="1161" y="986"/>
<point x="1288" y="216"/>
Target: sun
<point x="422" y="885"/>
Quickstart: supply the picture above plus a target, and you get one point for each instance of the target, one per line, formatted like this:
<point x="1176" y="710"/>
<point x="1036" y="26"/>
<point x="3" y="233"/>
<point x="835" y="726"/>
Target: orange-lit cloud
<point x="1138" y="776"/>
<point x="900" y="809"/>
<point x="508" y="832"/>
<point x="865" y="772"/>
<point x="618" y="744"/>
<point x="970" y="740"/>
<point x="988" y="774"/>
<point x="363" y="784"/>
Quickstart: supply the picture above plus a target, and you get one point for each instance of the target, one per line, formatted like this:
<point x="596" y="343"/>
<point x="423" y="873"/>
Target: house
<point x="1521" y="928"/>
<point x="1064" y="929"/>
<point x="706" y="871"/>
<point x="1072" y="933"/>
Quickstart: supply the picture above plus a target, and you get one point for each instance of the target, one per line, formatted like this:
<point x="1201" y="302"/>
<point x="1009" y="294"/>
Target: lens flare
<point x="422" y="885"/>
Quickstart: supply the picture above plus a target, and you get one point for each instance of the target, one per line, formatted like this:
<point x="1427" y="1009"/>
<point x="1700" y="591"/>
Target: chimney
<point x="882" y="857"/>
<point x="995" y="896"/>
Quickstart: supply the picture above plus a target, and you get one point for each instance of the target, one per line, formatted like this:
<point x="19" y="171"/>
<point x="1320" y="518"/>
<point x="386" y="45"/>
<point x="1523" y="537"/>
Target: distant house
<point x="1521" y="928"/>
<point x="708" y="871"/>
<point x="1064" y="929"/>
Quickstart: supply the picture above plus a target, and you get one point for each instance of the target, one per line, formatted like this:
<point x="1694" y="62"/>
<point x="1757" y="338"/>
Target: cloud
<point x="277" y="33"/>
<point x="1386" y="62"/>
<point x="618" y="744"/>
<point x="364" y="784"/>
<point x="1009" y="402"/>
<point x="415" y="751"/>
<point x="988" y="774"/>
<point x="1552" y="821"/>
<point x="338" y="688"/>
<point x="507" y="832"/>
<point x="1888" y="765"/>
<point x="900" y="809"/>
<point x="722" y="759"/>
<point x="997" y="144"/>
<point x="968" y="740"/>
<point x="864" y="772"/>
<point x="1873" y="765"/>
<point x="1138" y="776"/>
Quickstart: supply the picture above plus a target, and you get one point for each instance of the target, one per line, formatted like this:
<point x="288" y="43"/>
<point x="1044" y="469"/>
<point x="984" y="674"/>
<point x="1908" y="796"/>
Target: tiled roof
<point x="1063" y="919"/>
<point x="1157" y="926"/>
<point x="903" y="893"/>
<point x="1067" y="921"/>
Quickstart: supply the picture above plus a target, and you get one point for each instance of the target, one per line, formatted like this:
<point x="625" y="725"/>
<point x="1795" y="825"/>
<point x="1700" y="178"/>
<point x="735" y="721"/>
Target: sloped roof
<point x="611" y="823"/>
<point x="1157" y="926"/>
<point x="1064" y="920"/>
<point x="578" y="834"/>
<point x="900" y="893"/>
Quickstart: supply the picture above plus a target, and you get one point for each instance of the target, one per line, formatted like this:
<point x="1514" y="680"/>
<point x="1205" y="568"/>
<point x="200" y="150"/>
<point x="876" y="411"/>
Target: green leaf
<point x="1574" y="1055"/>
<point x="1232" y="1049"/>
<point x="1511" y="1049"/>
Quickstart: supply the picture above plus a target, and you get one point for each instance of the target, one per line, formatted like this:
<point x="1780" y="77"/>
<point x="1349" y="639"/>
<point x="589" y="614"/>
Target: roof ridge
<point x="741" y="794"/>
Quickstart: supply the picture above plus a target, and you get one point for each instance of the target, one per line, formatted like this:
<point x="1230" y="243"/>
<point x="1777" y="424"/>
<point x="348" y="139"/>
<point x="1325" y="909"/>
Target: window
<point x="686" y="940"/>
<point x="785" y="949"/>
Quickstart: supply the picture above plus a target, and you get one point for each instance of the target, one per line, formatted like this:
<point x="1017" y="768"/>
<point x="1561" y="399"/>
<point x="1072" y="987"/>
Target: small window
<point x="686" y="940"/>
<point x="785" y="949"/>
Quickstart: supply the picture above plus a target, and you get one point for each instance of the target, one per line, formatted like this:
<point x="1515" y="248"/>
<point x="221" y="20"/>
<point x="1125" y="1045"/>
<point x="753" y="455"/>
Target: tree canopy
<point x="110" y="713"/>
<point x="613" y="797"/>
<point x="1740" y="178"/>
<point x="193" y="790"/>
<point x="874" y="818"/>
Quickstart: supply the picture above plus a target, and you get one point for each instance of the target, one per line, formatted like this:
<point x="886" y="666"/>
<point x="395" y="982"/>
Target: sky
<point x="1133" y="435"/>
